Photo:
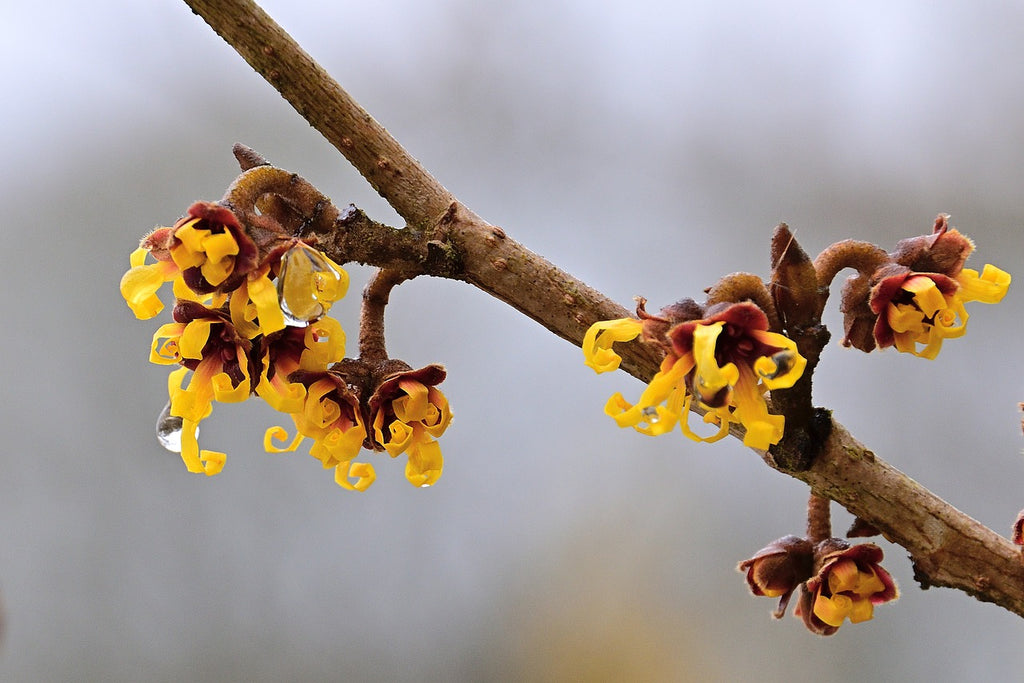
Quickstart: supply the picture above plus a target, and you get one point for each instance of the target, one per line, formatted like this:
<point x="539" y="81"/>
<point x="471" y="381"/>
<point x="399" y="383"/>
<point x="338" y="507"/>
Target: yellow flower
<point x="140" y="284"/>
<point x="211" y="249"/>
<point x="727" y="361"/>
<point x="407" y="412"/>
<point x="848" y="586"/>
<point x="927" y="308"/>
<point x="331" y="415"/>
<point x="204" y="342"/>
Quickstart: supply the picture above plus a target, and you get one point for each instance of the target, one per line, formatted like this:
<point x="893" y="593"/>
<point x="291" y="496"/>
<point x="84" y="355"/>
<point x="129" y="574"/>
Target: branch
<point x="948" y="548"/>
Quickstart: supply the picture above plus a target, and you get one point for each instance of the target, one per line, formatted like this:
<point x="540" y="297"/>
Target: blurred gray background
<point x="647" y="147"/>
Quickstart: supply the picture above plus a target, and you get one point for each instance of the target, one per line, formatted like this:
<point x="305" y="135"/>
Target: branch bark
<point x="948" y="548"/>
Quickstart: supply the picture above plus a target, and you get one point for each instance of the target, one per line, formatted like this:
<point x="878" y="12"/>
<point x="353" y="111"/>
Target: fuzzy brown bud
<point x="794" y="283"/>
<point x="944" y="251"/>
<point x="777" y="569"/>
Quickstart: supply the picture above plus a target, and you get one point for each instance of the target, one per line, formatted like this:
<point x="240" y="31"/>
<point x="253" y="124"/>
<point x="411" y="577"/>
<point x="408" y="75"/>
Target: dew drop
<point x="168" y="430"/>
<point x="650" y="413"/>
<point x="304" y="277"/>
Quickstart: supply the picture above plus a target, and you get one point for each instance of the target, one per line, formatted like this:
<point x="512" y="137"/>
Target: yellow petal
<point x="279" y="434"/>
<point x="843" y="576"/>
<point x="425" y="463"/>
<point x="710" y="379"/>
<point x="338" y="446"/>
<point x="362" y="471"/>
<point x="763" y="428"/>
<point x="167" y="352"/>
<point x="263" y="294"/>
<point x="413" y="406"/>
<point x="194" y="338"/>
<point x="437" y="424"/>
<point x="862" y="610"/>
<point x="926" y="294"/>
<point x="243" y="313"/>
<point x="598" y="340"/>
<point x="325" y="344"/>
<point x="782" y="369"/>
<point x="719" y="417"/>
<point x="139" y="286"/>
<point x="401" y="437"/>
<point x="832" y="610"/>
<point x="990" y="287"/>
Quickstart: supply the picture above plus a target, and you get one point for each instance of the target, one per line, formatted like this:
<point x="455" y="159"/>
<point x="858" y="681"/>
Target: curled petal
<point x="712" y="383"/>
<point x="926" y="294"/>
<point x="194" y="338"/>
<point x="597" y="342"/>
<point x="719" y="417"/>
<point x="338" y="445"/>
<point x="197" y="461"/>
<point x="413" y="406"/>
<point x="648" y="416"/>
<point x="325" y="344"/>
<point x="279" y="434"/>
<point x="140" y="284"/>
<point x="989" y="287"/>
<point x="166" y="353"/>
<point x="282" y="395"/>
<point x="261" y="292"/>
<point x="782" y="369"/>
<point x="425" y="463"/>
<point x="362" y="471"/>
<point x="243" y="313"/>
<point x="763" y="428"/>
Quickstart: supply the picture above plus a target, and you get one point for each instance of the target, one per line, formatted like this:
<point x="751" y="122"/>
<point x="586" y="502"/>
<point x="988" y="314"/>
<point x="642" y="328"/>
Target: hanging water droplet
<point x="306" y="285"/>
<point x="650" y="414"/>
<point x="168" y="430"/>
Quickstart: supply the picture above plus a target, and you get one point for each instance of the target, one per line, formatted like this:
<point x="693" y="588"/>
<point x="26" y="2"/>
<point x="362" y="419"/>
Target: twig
<point x="948" y="547"/>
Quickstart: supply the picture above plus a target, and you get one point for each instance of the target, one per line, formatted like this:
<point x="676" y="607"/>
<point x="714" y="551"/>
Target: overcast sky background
<point x="647" y="147"/>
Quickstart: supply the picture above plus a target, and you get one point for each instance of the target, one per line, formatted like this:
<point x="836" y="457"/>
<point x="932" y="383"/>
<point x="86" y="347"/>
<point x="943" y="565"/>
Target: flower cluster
<point x="914" y="299"/>
<point x="251" y="319"/>
<point x="836" y="580"/>
<point x="384" y="407"/>
<point x="722" y="356"/>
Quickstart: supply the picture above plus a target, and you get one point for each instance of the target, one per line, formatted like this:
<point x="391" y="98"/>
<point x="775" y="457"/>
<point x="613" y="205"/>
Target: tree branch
<point x="948" y="548"/>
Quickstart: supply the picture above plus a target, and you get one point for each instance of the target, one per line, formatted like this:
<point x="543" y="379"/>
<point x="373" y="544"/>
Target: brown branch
<point x="948" y="547"/>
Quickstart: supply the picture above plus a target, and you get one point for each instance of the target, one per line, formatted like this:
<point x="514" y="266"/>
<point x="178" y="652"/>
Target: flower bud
<point x="777" y="569"/>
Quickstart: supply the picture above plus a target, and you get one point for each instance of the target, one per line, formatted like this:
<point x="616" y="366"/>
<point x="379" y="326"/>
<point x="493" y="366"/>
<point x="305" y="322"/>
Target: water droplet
<point x="650" y="413"/>
<point x="302" y="283"/>
<point x="424" y="486"/>
<point x="168" y="430"/>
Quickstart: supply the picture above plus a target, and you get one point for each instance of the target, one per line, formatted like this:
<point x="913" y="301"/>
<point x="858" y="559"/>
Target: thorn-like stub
<point x="247" y="157"/>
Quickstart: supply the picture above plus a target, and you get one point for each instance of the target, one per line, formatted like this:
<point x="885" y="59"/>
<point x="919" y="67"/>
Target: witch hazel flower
<point x="913" y="299"/>
<point x="216" y="365"/>
<point x="724" y="358"/>
<point x="205" y="252"/>
<point x="848" y="584"/>
<point x="407" y="413"/>
<point x="330" y="413"/>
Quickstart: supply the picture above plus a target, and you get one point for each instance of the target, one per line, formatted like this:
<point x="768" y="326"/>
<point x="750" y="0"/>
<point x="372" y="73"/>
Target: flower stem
<point x="819" y="518"/>
<point x="372" y="348"/>
<point x="865" y="257"/>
